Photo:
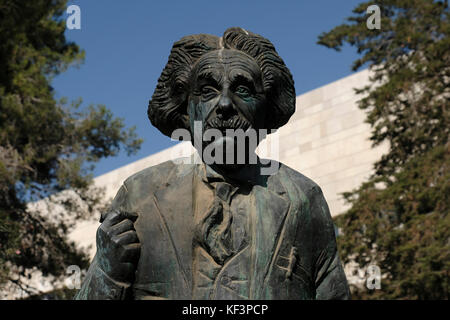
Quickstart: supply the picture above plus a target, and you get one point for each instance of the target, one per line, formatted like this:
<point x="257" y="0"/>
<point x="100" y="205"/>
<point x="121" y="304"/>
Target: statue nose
<point x="225" y="107"/>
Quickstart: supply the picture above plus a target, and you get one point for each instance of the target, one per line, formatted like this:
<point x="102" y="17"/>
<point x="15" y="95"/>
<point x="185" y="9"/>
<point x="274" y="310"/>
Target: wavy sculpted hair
<point x="167" y="110"/>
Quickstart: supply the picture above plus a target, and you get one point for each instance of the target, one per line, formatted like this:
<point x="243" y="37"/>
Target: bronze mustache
<point x="235" y="123"/>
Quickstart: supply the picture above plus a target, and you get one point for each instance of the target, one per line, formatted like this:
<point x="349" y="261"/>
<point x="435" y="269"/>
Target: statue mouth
<point x="234" y="123"/>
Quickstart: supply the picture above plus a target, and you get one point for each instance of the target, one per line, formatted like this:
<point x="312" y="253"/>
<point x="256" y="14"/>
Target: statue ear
<point x="167" y="110"/>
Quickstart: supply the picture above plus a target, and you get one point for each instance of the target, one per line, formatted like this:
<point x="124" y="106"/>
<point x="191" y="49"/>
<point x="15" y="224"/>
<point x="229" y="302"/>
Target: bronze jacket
<point x="292" y="252"/>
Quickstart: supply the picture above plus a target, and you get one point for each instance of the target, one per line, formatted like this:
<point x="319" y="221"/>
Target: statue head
<point x="237" y="81"/>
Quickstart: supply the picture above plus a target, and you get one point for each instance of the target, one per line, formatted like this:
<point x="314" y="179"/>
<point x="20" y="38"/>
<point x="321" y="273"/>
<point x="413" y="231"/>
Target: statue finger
<point x="129" y="215"/>
<point x="121" y="227"/>
<point x="126" y="238"/>
<point x="114" y="217"/>
<point x="110" y="218"/>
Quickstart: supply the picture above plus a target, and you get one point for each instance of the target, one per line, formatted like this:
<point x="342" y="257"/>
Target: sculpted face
<point x="226" y="93"/>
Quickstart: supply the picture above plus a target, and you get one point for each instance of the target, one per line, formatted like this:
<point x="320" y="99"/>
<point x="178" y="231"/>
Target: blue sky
<point x="127" y="44"/>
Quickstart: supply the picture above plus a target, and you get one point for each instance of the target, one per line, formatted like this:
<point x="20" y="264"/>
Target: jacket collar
<point x="249" y="175"/>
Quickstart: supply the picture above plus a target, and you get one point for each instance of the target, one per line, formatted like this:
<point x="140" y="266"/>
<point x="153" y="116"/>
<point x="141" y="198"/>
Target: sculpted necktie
<point x="216" y="225"/>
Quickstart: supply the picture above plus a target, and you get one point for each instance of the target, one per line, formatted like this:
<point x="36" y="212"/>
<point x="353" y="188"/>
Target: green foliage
<point x="46" y="146"/>
<point x="399" y="218"/>
<point x="58" y="294"/>
<point x="407" y="223"/>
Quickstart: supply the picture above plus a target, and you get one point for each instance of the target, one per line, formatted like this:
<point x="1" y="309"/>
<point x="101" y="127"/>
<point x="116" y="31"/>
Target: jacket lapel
<point x="174" y="206"/>
<point x="271" y="206"/>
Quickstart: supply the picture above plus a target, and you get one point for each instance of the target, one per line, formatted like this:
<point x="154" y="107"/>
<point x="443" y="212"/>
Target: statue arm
<point x="330" y="279"/>
<point x="98" y="285"/>
<point x="331" y="283"/>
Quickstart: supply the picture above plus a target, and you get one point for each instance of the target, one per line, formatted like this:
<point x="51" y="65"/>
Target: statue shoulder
<point x="156" y="176"/>
<point x="303" y="183"/>
<point x="318" y="210"/>
<point x="139" y="185"/>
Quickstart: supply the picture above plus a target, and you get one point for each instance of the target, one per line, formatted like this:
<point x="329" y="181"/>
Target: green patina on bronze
<point x="218" y="231"/>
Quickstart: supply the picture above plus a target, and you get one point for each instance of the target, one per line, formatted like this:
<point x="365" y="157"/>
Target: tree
<point x="399" y="218"/>
<point x="46" y="146"/>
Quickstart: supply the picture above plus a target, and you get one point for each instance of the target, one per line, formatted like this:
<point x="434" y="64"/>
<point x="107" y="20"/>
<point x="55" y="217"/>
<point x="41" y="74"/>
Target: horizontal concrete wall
<point x="328" y="140"/>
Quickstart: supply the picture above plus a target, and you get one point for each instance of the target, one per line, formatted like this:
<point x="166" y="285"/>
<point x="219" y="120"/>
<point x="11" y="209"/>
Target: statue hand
<point x="118" y="246"/>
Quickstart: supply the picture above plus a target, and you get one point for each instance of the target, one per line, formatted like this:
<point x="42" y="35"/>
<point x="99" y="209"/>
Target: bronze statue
<point x="218" y="230"/>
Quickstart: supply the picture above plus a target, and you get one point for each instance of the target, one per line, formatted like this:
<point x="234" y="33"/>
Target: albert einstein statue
<point x="218" y="229"/>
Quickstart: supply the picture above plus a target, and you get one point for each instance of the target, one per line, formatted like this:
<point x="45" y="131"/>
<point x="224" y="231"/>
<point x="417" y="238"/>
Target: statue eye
<point x="179" y="86"/>
<point x="243" y="91"/>
<point x="208" y="92"/>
